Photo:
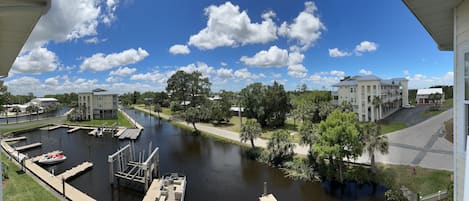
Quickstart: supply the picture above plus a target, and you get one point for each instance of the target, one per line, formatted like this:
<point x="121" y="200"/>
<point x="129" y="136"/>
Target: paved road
<point x="420" y="145"/>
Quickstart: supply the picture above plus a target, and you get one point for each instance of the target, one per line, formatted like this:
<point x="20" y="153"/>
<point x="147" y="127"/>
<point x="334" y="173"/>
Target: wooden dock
<point x="37" y="158"/>
<point x="29" y="146"/>
<point x="75" y="128"/>
<point x="120" y="132"/>
<point x="54" y="127"/>
<point x="75" y="170"/>
<point x="130" y="133"/>
<point x="15" y="139"/>
<point x="56" y="183"/>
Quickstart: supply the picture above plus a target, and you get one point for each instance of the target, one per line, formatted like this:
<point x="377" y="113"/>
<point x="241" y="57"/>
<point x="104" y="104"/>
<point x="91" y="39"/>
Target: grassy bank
<point x="391" y="127"/>
<point x="120" y="121"/>
<point x="7" y="131"/>
<point x="189" y="127"/>
<point x="423" y="181"/>
<point x="21" y="187"/>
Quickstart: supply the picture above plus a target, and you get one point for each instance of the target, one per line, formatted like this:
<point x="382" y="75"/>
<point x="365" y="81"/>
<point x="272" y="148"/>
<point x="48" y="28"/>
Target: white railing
<point x="435" y="196"/>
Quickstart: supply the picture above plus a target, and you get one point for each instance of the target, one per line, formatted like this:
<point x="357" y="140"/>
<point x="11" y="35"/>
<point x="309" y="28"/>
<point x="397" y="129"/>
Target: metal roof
<point x="17" y="20"/>
<point x="437" y="18"/>
<point x="355" y="79"/>
<point x="429" y="91"/>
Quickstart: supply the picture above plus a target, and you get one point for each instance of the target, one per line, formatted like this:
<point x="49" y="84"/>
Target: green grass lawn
<point x="448" y="103"/>
<point x="26" y="127"/>
<point x="121" y="121"/>
<point x="425" y="181"/>
<point x="21" y="186"/>
<point x="392" y="126"/>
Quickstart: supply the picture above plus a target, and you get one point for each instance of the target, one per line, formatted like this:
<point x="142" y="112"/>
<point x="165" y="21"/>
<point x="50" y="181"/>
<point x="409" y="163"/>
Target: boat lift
<point x="124" y="165"/>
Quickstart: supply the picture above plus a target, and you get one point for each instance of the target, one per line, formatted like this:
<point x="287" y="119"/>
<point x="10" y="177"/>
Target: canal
<point x="215" y="170"/>
<point x="22" y="118"/>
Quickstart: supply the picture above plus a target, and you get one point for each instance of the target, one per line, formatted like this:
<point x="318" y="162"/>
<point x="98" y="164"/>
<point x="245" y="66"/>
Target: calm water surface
<point x="13" y="119"/>
<point x="215" y="170"/>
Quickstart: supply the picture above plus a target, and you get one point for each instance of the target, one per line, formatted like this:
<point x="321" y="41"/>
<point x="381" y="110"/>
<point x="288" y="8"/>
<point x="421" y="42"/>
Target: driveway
<point x="409" y="116"/>
<point x="421" y="145"/>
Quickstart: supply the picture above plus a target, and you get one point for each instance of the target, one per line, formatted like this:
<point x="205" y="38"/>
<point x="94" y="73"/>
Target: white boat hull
<point x="52" y="160"/>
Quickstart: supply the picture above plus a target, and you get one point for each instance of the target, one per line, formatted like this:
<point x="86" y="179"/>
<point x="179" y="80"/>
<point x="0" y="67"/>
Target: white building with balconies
<point x="97" y="105"/>
<point x="371" y="97"/>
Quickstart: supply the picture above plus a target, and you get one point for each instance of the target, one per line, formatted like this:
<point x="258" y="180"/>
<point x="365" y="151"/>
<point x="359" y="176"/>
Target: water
<point x="215" y="170"/>
<point x="12" y="119"/>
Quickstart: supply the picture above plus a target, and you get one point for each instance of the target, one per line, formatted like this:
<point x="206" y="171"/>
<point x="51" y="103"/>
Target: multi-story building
<point x="97" y="105"/>
<point x="372" y="98"/>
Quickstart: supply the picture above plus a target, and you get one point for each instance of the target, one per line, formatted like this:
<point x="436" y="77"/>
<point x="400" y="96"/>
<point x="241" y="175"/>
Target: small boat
<point x="52" y="159"/>
<point x="99" y="133"/>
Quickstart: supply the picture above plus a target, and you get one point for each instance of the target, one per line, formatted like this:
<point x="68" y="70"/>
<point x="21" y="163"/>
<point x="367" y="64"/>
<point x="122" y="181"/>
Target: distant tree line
<point x="69" y="99"/>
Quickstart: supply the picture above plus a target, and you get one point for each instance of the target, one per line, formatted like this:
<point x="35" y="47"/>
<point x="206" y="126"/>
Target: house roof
<point x="429" y="91"/>
<point x="17" y="19"/>
<point x="355" y="79"/>
<point x="437" y="18"/>
<point x="45" y="99"/>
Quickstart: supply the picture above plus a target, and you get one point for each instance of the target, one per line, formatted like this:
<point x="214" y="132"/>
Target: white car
<point x="408" y="106"/>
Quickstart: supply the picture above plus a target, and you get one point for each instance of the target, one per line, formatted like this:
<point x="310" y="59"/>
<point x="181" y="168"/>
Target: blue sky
<point x="131" y="45"/>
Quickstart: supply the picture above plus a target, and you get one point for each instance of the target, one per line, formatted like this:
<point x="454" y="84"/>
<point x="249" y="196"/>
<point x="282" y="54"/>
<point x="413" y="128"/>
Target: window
<point x="466" y="76"/>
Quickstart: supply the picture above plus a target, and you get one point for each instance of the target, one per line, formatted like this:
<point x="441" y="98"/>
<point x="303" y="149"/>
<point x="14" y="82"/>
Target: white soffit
<point x="437" y="18"/>
<point x="17" y="20"/>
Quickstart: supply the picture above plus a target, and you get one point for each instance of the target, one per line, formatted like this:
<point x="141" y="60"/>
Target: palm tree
<point x="158" y="109"/>
<point x="376" y="103"/>
<point x="30" y="109"/>
<point x="374" y="141"/>
<point x="280" y="147"/>
<point x="17" y="110"/>
<point x="250" y="130"/>
<point x="192" y="115"/>
<point x="308" y="133"/>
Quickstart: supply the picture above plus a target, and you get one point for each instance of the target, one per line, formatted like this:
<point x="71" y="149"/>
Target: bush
<point x="175" y="106"/>
<point x="253" y="153"/>
<point x="394" y="194"/>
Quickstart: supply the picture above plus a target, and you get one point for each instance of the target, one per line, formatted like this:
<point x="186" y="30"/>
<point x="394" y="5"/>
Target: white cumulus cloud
<point x="366" y="46"/>
<point x="228" y="26"/>
<point x="125" y="71"/>
<point x="297" y="71"/>
<point x="335" y="52"/>
<point x="245" y="74"/>
<point x="306" y="27"/>
<point x="199" y="66"/>
<point x="274" y="57"/>
<point x="36" y="61"/>
<point x="224" y="73"/>
<point x="365" y="72"/>
<point x="179" y="49"/>
<point x="69" y="20"/>
<point x="101" y="62"/>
